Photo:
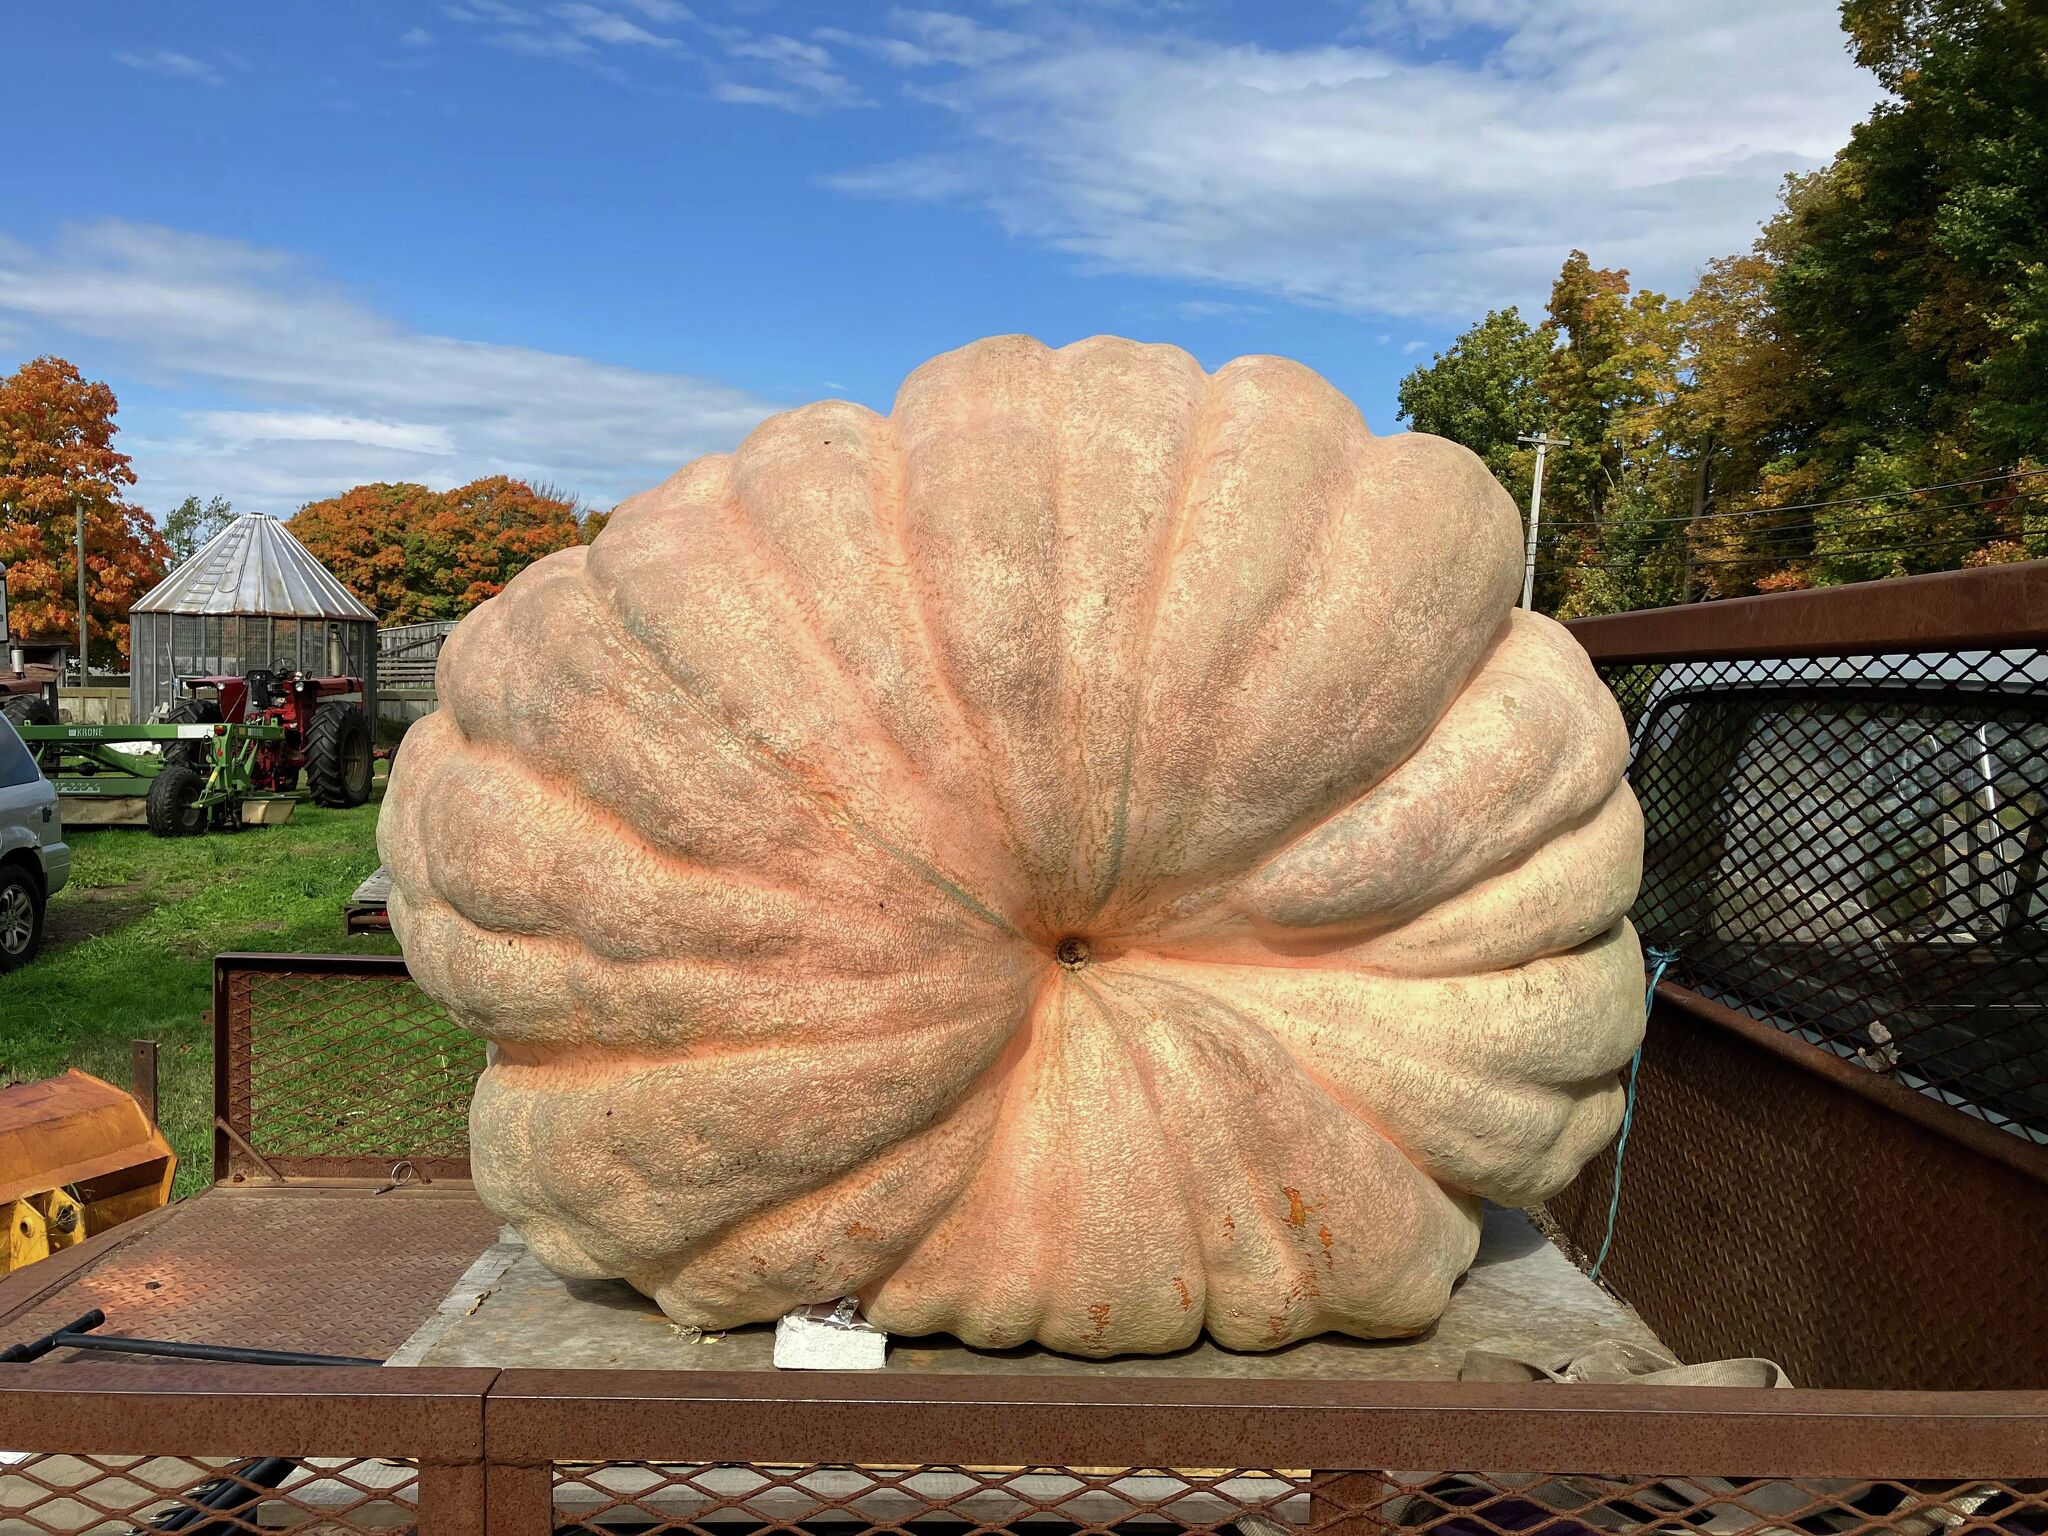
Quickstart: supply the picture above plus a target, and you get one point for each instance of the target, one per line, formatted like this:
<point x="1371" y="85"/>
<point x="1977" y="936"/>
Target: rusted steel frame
<point x="311" y="965"/>
<point x="519" y="1498"/>
<point x="359" y="1166"/>
<point x="536" y="1417"/>
<point x="142" y="1076"/>
<point x="87" y="1406"/>
<point x="226" y="1060"/>
<point x="2016" y="1152"/>
<point x="451" y="1498"/>
<point x="1347" y="1503"/>
<point x="1989" y="608"/>
<point x="233" y="1072"/>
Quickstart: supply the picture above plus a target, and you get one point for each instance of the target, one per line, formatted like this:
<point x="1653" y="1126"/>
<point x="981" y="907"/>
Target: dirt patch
<point x="78" y="913"/>
<point x="206" y="943"/>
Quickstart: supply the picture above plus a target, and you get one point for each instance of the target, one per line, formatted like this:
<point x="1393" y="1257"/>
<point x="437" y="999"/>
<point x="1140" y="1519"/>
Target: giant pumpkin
<point x="1092" y="856"/>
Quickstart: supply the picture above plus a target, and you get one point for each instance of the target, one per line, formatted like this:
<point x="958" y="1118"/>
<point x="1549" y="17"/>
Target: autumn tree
<point x="1862" y="393"/>
<point x="57" y="456"/>
<point x="1608" y="385"/>
<point x="1482" y="392"/>
<point x="189" y="524"/>
<point x="413" y="554"/>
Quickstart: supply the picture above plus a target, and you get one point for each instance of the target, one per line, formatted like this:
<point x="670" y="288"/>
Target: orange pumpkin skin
<point x="751" y="834"/>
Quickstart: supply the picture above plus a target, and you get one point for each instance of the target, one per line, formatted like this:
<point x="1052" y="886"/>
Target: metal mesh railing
<point x="539" y="1453"/>
<point x="729" y="1497"/>
<point x="738" y="1495"/>
<point x="1483" y="1504"/>
<point x="1852" y="849"/>
<point x="73" y="1494"/>
<point x="340" y="1064"/>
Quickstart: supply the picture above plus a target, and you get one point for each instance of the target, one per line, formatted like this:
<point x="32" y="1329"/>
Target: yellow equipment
<point x="77" y="1156"/>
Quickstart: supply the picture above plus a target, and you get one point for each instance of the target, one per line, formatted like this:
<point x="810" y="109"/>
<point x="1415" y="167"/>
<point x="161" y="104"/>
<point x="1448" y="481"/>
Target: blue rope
<point x="1660" y="961"/>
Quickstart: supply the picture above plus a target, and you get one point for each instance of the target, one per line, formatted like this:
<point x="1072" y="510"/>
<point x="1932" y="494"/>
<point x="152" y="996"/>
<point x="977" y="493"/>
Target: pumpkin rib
<point x="571" y="953"/>
<point x="771" y="561"/>
<point x="863" y="1194"/>
<point x="1473" y="696"/>
<point x="998" y="394"/>
<point x="843" y="819"/>
<point x="503" y="759"/>
<point x="1374" y="1051"/>
<point x="734" y="1176"/>
<point x="1195" y="1298"/>
<point x="1196" y="454"/>
<point x="1016" y="1048"/>
<point x="787" y="922"/>
<point x="897" y="538"/>
<point x="775" y="578"/>
<point x="1210" y="898"/>
<point x="1386" y="525"/>
<point x="1352" y="949"/>
<point x="1283" y="1232"/>
<point x="933" y="1310"/>
<point x="1459" y="917"/>
<point x="1337" y="1101"/>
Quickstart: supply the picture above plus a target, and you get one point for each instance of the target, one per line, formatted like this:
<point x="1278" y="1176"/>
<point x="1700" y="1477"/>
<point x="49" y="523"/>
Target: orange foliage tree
<point x="57" y="454"/>
<point x="413" y="554"/>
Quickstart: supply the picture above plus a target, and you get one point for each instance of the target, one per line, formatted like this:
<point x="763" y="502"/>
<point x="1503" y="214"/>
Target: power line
<point x="1789" y="559"/>
<point x="1841" y="501"/>
<point x="1786" y="558"/>
<point x="1851" y="526"/>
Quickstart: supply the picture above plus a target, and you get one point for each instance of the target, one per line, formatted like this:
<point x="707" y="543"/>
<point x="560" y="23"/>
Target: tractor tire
<point x="338" y="756"/>
<point x="190" y="754"/>
<point x="172" y="808"/>
<point x="29" y="709"/>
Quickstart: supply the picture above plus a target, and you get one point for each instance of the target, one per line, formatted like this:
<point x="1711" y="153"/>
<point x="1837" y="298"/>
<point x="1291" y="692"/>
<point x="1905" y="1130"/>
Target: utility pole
<point x="79" y="502"/>
<point x="1544" y="443"/>
<point x="1702" y="481"/>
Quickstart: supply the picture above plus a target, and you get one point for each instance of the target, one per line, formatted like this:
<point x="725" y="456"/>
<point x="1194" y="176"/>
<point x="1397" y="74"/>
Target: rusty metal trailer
<point x="1836" y="1160"/>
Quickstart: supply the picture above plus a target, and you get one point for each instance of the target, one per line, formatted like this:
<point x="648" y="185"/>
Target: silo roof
<point x="254" y="566"/>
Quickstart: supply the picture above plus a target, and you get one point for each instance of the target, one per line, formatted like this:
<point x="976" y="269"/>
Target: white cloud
<point x="1217" y="309"/>
<point x="758" y="96"/>
<point x="934" y="37"/>
<point x="804" y="76"/>
<point x="540" y="45"/>
<point x="236" y="428"/>
<point x="489" y="10"/>
<point x="298" y="390"/>
<point x="570" y="30"/>
<point x="178" y="66"/>
<point x="418" y="37"/>
<point x="609" y="27"/>
<point x="959" y="40"/>
<point x="1397" y="175"/>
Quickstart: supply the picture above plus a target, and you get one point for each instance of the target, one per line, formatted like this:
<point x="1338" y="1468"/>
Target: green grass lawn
<point x="129" y="953"/>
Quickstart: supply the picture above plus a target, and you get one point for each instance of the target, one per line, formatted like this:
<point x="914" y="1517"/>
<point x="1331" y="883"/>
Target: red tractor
<point x="326" y="733"/>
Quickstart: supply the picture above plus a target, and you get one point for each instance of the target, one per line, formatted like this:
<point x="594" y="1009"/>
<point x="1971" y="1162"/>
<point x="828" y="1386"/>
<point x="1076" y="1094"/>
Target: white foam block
<point x="829" y="1337"/>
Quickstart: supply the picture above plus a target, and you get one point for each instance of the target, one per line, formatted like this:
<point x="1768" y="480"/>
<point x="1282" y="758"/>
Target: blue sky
<point x="313" y="244"/>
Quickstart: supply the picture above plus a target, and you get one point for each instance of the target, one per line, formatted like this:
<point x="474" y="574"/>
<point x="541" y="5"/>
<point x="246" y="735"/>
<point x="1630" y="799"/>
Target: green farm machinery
<point x="196" y="776"/>
<point x="227" y="752"/>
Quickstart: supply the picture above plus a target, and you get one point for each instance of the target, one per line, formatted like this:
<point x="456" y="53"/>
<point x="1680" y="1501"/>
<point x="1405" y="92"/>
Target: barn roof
<point x="254" y="566"/>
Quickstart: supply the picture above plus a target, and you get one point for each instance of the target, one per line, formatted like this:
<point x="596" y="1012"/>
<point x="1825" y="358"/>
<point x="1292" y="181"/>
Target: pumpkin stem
<point x="1072" y="952"/>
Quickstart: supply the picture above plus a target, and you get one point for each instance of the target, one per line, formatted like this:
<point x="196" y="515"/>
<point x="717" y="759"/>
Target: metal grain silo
<point x="252" y="597"/>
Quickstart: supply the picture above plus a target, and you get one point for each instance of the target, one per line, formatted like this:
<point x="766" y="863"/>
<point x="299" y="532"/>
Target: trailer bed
<point x="423" y="1275"/>
<point x="337" y="1270"/>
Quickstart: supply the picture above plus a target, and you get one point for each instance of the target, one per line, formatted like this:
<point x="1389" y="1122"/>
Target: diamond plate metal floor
<point x="328" y="1270"/>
